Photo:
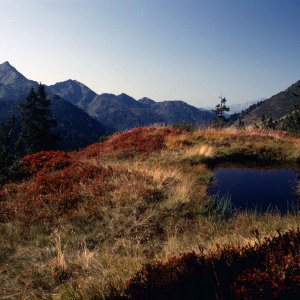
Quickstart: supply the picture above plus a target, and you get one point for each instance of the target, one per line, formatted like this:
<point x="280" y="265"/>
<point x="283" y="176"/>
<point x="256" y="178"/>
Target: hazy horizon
<point x="164" y="50"/>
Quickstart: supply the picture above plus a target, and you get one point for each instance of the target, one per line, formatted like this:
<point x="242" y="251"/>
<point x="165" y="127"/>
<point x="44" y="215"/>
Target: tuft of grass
<point x="220" y="208"/>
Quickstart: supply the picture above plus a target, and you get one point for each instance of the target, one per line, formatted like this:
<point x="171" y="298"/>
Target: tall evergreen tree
<point x="37" y="122"/>
<point x="7" y="147"/>
<point x="7" y="137"/>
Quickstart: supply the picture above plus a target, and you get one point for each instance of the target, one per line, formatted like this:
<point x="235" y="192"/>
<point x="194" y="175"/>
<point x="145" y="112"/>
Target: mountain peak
<point x="127" y="100"/>
<point x="73" y="81"/>
<point x="124" y="95"/>
<point x="6" y="63"/>
<point x="146" y="101"/>
<point x="74" y="91"/>
<point x="9" y="75"/>
<point x="70" y="83"/>
<point x="6" y="66"/>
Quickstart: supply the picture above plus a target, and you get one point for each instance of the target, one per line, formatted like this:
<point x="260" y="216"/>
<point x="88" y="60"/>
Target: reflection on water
<point x="263" y="189"/>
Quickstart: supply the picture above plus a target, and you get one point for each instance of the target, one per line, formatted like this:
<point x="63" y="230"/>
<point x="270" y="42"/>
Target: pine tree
<point x="7" y="135"/>
<point x="219" y="110"/>
<point x="268" y="123"/>
<point x="292" y="122"/>
<point x="7" y="147"/>
<point x="37" y="123"/>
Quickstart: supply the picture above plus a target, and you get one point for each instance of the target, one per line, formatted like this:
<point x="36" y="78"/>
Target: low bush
<point x="135" y="141"/>
<point x="50" y="195"/>
<point x="46" y="161"/>
<point x="267" y="270"/>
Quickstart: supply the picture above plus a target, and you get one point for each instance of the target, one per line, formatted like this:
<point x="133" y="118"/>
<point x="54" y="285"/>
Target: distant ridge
<point x="122" y="112"/>
<point x="238" y="108"/>
<point x="275" y="107"/>
<point x="177" y="111"/>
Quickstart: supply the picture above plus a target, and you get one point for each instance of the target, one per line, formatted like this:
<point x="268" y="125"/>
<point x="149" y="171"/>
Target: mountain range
<point x="84" y="116"/>
<point x="238" y="108"/>
<point x="122" y="112"/>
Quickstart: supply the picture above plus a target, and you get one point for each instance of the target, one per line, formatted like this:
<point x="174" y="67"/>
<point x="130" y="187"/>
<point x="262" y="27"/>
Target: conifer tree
<point x="292" y="122"/>
<point x="7" y="147"/>
<point x="221" y="108"/>
<point x="7" y="136"/>
<point x="220" y="120"/>
<point x="37" y="123"/>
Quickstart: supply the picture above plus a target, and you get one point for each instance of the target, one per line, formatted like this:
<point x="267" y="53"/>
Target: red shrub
<point x="136" y="141"/>
<point x="279" y="279"/>
<point x="270" y="270"/>
<point x="46" y="161"/>
<point x="49" y="195"/>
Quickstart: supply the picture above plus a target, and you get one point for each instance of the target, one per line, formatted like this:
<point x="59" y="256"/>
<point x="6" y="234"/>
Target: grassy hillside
<point x="80" y="225"/>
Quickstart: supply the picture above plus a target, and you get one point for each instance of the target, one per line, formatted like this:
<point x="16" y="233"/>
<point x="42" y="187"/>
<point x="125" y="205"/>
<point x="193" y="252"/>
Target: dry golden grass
<point x="204" y="235"/>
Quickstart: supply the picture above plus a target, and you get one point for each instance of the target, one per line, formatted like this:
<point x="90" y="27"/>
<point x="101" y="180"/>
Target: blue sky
<point x="162" y="49"/>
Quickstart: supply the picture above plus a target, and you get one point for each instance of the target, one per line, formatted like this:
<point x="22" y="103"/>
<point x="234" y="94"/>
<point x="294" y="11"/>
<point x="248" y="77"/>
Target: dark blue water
<point x="257" y="189"/>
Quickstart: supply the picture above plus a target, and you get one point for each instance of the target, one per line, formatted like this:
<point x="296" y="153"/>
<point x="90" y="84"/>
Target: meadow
<point x="130" y="218"/>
